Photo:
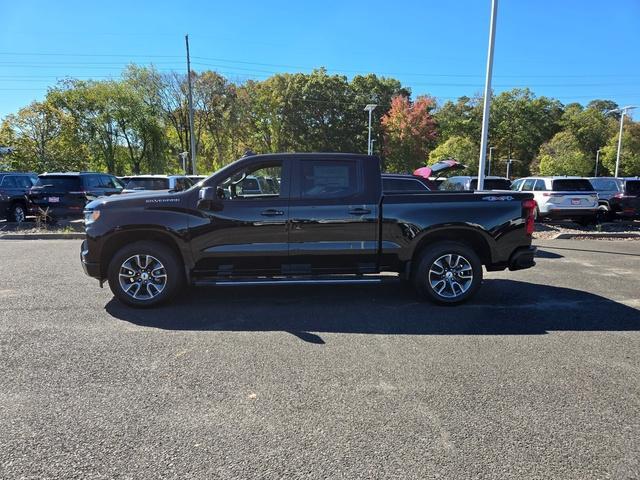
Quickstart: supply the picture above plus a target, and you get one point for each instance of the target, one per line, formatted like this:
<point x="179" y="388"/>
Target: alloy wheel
<point x="142" y="277"/>
<point x="450" y="275"/>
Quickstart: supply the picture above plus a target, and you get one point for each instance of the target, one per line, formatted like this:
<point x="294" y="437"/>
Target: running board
<point x="343" y="280"/>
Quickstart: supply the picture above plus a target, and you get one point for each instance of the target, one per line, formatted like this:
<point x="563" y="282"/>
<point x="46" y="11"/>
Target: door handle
<point x="271" y="212"/>
<point x="359" y="211"/>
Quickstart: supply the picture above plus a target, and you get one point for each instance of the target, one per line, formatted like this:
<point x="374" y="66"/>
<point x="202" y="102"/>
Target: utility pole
<point x="595" y="174"/>
<point x="370" y="108"/>
<point x="490" y="158"/>
<point x="191" y="135"/>
<point x="487" y="96"/>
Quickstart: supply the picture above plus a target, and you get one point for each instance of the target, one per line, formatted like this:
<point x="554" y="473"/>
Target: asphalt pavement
<point x="537" y="377"/>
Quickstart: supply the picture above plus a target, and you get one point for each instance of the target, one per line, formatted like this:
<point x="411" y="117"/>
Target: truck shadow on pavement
<point x="501" y="307"/>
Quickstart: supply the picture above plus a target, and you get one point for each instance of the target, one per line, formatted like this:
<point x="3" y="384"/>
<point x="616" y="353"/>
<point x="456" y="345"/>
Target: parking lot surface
<point x="537" y="377"/>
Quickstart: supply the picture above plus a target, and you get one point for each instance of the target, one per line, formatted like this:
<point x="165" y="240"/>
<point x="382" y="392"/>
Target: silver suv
<point x="561" y="198"/>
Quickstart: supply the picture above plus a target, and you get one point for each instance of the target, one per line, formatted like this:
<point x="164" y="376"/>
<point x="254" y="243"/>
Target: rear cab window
<point x="327" y="179"/>
<point x="572" y="185"/>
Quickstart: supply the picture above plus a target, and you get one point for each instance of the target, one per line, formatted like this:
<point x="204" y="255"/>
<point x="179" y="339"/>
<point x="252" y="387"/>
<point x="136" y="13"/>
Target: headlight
<point x="91" y="216"/>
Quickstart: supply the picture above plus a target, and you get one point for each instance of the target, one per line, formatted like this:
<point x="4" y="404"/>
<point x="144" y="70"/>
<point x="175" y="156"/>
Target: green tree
<point x="461" y="149"/>
<point x="630" y="154"/>
<point x="562" y="155"/>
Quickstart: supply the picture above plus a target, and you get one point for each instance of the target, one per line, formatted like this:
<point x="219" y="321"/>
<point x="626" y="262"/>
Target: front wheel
<point x="145" y="274"/>
<point x="18" y="213"/>
<point x="448" y="273"/>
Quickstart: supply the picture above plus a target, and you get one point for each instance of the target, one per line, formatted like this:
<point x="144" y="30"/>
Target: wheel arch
<point x="472" y="238"/>
<point x="125" y="237"/>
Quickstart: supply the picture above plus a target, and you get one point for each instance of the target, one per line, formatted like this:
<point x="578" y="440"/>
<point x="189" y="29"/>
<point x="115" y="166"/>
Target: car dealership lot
<point x="537" y="377"/>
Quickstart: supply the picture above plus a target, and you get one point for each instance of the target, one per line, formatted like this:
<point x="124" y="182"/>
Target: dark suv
<point x="14" y="187"/>
<point x="618" y="197"/>
<point x="65" y="194"/>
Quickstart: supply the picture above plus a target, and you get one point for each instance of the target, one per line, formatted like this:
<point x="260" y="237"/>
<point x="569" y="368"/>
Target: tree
<point x="589" y="125"/>
<point x="630" y="154"/>
<point x="460" y="148"/>
<point x="409" y="132"/>
<point x="562" y="155"/>
<point x="462" y="118"/>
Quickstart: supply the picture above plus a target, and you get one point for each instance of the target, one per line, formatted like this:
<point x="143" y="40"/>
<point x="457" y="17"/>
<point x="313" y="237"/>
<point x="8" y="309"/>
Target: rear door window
<point x="329" y="179"/>
<point x="540" y="186"/>
<point x="572" y="185"/>
<point x="528" y="184"/>
<point x="633" y="187"/>
<point x="9" y="182"/>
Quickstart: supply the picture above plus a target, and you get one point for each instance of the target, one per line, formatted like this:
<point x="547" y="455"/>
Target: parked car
<point x="330" y="223"/>
<point x="618" y="197"/>
<point x="143" y="183"/>
<point x="467" y="183"/>
<point x="14" y="187"/>
<point x="432" y="174"/>
<point x="561" y="198"/>
<point x="400" y="183"/>
<point x="66" y="194"/>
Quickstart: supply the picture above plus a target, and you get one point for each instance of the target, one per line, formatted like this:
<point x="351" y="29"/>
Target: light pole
<point x="373" y="140"/>
<point x="370" y="108"/>
<point x="623" y="112"/>
<point x="490" y="157"/>
<point x="487" y="96"/>
<point x="595" y="174"/>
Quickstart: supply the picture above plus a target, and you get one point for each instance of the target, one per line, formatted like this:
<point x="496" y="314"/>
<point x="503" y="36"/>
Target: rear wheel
<point x="17" y="213"/>
<point x="145" y="274"/>
<point x="448" y="273"/>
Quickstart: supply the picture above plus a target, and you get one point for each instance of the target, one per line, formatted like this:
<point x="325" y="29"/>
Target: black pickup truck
<point x="325" y="221"/>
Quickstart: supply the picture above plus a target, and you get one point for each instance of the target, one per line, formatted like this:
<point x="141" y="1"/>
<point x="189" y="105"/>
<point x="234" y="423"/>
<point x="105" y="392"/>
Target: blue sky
<point x="568" y="49"/>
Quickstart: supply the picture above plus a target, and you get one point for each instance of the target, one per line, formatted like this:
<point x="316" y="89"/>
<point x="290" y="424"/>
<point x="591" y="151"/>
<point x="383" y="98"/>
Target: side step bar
<point x="338" y="280"/>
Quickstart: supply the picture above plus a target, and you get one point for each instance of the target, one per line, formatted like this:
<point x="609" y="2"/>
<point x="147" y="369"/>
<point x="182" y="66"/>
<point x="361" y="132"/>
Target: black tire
<point x="587" y="221"/>
<point x="148" y="289"/>
<point x="426" y="273"/>
<point x="18" y="213"/>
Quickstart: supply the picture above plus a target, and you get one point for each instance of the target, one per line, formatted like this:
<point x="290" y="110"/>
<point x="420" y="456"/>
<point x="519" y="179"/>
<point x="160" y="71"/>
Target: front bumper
<point x="522" y="257"/>
<point x="90" y="268"/>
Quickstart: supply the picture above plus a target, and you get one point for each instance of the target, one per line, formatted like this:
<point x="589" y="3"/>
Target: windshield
<point x="148" y="184"/>
<point x="572" y="185"/>
<point x="59" y="182"/>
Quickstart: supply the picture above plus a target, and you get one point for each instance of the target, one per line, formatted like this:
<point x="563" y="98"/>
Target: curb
<point x="570" y="236"/>
<point x="43" y="236"/>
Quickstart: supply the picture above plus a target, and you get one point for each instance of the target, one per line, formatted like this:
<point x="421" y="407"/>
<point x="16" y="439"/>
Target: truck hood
<point x="139" y="199"/>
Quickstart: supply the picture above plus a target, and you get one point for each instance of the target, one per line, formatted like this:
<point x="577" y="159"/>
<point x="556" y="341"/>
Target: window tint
<point x="402" y="185"/>
<point x="9" y="182"/>
<point x="92" y="181"/>
<point x="109" y="182"/>
<point x="633" y="187"/>
<point x="540" y="186"/>
<point x="253" y="183"/>
<point x="516" y="184"/>
<point x="24" y="181"/>
<point x="572" y="185"/>
<point x="148" y="183"/>
<point x="59" y="182"/>
<point x="528" y="184"/>
<point x="604" y="184"/>
<point x="328" y="179"/>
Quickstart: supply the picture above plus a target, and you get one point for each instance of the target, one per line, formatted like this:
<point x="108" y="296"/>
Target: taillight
<point x="529" y="207"/>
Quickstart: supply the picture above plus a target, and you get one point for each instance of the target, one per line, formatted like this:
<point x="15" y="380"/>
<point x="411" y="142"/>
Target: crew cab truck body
<point x="328" y="223"/>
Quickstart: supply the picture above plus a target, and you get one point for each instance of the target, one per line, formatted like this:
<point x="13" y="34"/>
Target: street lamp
<point x="487" y="95"/>
<point x="370" y="108"/>
<point x="622" y="111"/>
<point x="595" y="174"/>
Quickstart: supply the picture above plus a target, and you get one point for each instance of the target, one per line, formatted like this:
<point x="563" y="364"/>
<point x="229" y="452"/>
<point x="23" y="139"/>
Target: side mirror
<point x="208" y="199"/>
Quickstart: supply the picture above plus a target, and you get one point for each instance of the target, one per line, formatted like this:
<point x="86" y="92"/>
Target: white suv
<point x="566" y="198"/>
